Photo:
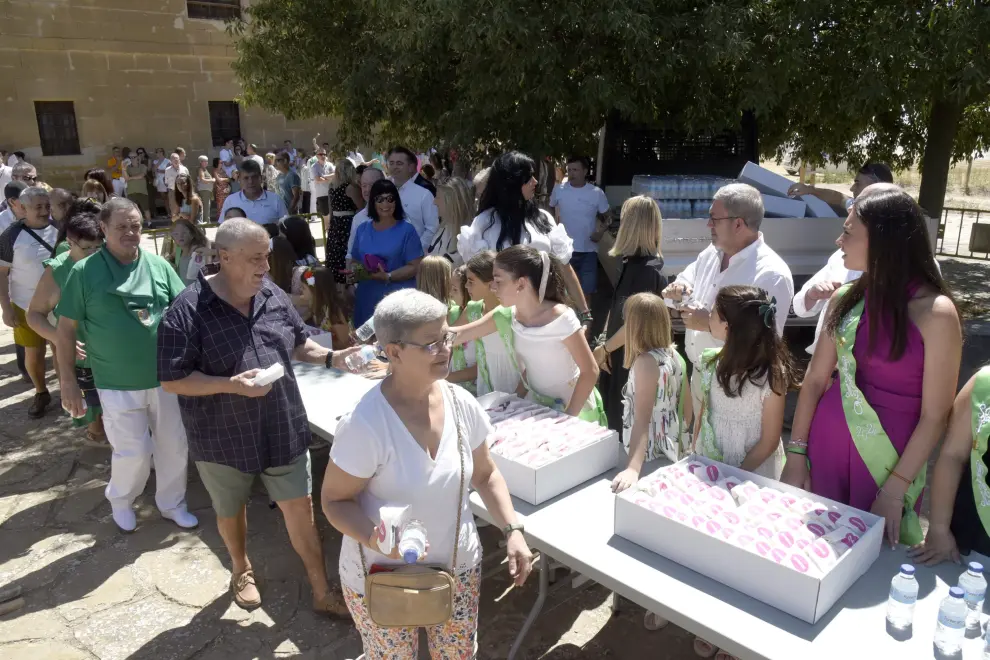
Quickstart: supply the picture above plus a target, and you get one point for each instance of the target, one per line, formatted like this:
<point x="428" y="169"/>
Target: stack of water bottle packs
<point x="796" y="532"/>
<point x="679" y="196"/>
<point x="535" y="436"/>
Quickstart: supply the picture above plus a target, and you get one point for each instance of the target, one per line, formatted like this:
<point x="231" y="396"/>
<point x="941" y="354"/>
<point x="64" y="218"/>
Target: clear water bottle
<point x="903" y="596"/>
<point x="356" y="362"/>
<point x="974" y="585"/>
<point x="986" y="645"/>
<point x="951" y="627"/>
<point x="366" y="331"/>
<point x="412" y="541"/>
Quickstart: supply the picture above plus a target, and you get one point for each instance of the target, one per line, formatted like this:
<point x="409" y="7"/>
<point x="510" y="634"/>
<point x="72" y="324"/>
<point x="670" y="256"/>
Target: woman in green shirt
<point x="84" y="237"/>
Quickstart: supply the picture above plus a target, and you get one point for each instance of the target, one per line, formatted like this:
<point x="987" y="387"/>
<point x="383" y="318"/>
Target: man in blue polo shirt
<point x="263" y="206"/>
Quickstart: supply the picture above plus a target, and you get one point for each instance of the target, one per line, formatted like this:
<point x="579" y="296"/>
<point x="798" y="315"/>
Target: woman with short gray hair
<point x="416" y="441"/>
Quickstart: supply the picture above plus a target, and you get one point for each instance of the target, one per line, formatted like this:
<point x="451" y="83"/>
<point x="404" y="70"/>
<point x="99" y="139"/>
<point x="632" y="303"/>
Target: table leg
<point x="615" y="603"/>
<point x="544" y="569"/>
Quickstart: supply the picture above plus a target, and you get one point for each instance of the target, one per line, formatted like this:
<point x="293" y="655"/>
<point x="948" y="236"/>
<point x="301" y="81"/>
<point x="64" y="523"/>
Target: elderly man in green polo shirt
<point x="117" y="297"/>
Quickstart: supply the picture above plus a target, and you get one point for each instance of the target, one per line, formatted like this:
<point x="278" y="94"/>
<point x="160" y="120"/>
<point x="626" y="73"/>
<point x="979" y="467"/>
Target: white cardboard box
<point x="767" y="182"/>
<point x="817" y="208"/>
<point x="803" y="596"/>
<point x="783" y="207"/>
<point x="537" y="485"/>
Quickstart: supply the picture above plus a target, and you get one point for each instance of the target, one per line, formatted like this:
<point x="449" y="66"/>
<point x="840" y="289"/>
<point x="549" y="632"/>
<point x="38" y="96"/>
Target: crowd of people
<point x="473" y="287"/>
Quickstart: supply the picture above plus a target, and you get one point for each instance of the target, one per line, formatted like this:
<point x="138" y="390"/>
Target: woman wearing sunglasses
<point x="388" y="248"/>
<point x="84" y="237"/>
<point x="417" y="441"/>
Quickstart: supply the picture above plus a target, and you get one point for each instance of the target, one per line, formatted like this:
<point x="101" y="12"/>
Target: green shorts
<point x="230" y="489"/>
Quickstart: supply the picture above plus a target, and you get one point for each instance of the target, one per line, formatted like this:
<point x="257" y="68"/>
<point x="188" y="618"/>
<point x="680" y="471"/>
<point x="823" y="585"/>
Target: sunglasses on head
<point x="385" y="198"/>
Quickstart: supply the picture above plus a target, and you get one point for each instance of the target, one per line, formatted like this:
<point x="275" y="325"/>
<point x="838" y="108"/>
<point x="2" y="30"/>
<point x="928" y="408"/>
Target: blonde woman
<point x="638" y="245"/>
<point x="345" y="200"/>
<point x="455" y="206"/>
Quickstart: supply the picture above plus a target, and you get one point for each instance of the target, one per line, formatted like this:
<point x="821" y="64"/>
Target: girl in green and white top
<point x="656" y="403"/>
<point x="435" y="277"/>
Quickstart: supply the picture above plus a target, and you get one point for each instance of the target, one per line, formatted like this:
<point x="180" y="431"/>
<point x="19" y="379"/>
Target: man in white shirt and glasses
<point x="417" y="201"/>
<point x="737" y="256"/>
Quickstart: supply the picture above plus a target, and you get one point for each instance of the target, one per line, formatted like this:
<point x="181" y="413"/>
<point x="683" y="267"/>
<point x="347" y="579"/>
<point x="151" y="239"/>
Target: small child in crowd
<point x="435" y="277"/>
<point x="318" y="292"/>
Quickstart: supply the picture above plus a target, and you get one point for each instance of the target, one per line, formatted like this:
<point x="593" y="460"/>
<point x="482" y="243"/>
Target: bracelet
<point x="585" y="317"/>
<point x="893" y="497"/>
<point x="796" y="450"/>
<point x="894" y="473"/>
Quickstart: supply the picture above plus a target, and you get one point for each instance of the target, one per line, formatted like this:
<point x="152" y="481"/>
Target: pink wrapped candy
<point x="790" y="523"/>
<point x="695" y="467"/>
<point x="763" y="531"/>
<point x="799" y="562"/>
<point x="712" y="528"/>
<point x="769" y="496"/>
<point x="753" y="512"/>
<point x="822" y="555"/>
<point x="746" y="492"/>
<point x="698" y="521"/>
<point x="841" y="539"/>
<point x="787" y="501"/>
<point x="712" y="510"/>
<point x="729" y="518"/>
<point x="744" y="540"/>
<point x="786" y="540"/>
<point x="817" y="528"/>
<point x="778" y="554"/>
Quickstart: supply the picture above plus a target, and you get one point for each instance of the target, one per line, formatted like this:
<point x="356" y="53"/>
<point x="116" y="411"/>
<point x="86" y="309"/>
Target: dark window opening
<point x="225" y="121"/>
<point x="218" y="10"/>
<point x="57" y="128"/>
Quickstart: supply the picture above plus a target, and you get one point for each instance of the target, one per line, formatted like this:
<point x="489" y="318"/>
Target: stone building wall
<point x="139" y="72"/>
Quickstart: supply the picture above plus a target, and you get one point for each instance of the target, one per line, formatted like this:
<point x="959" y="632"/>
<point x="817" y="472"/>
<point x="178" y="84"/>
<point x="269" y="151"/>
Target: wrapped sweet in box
<point x="781" y="545"/>
<point x="541" y="452"/>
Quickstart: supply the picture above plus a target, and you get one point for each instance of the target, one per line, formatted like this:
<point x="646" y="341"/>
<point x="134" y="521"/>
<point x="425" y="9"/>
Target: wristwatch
<point x="388" y="277"/>
<point x="329" y="362"/>
<point x="514" y="527"/>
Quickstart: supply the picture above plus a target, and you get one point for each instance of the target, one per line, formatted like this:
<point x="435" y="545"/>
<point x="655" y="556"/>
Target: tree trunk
<point x="943" y="123"/>
<point x="969" y="173"/>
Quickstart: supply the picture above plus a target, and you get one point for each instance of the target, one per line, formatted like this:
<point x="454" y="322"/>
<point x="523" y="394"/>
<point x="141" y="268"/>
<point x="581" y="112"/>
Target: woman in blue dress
<point x="388" y="248"/>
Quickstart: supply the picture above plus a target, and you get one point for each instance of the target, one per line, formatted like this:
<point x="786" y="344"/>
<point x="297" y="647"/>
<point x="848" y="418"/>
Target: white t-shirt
<point x="359" y="219"/>
<point x="579" y="207"/>
<point x="834" y="271"/>
<point x="479" y="237"/>
<point x="372" y="443"/>
<point x="171" y="174"/>
<point x="755" y="265"/>
<point x="227" y="156"/>
<point x="25" y="257"/>
<point x="259" y="160"/>
<point x="6" y="176"/>
<point x="13" y="160"/>
<point x="421" y="212"/>
<point x="321" y="188"/>
<point x="6" y="218"/>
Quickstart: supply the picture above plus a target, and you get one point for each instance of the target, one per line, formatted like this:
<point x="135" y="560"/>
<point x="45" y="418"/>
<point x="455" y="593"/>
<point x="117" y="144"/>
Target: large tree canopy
<point x="831" y="80"/>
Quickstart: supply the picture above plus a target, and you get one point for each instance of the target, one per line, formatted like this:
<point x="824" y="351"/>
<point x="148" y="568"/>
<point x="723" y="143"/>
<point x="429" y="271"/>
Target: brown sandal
<point x="245" y="589"/>
<point x="332" y="605"/>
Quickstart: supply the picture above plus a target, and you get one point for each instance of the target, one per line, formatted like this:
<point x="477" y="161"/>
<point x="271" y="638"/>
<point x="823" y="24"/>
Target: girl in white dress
<point x="496" y="371"/>
<point x="508" y="215"/>
<point x="541" y="333"/>
<point x="743" y="388"/>
<point x="744" y="384"/>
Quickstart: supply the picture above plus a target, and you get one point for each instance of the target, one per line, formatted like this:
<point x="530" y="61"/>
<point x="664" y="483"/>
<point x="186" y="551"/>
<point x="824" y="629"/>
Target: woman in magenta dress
<point x="894" y="338"/>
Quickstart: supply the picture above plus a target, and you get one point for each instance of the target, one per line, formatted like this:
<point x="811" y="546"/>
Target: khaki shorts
<point x="230" y="489"/>
<point x="23" y="334"/>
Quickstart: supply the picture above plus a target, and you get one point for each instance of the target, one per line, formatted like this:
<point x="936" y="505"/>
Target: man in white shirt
<point x="24" y="247"/>
<point x="368" y="178"/>
<point x="417" y="201"/>
<point x="355" y="157"/>
<point x="737" y="256"/>
<point x="581" y="206"/>
<point x="321" y="173"/>
<point x="6" y="175"/>
<point x="15" y="158"/>
<point x="289" y="149"/>
<point x="227" y="157"/>
<point x="814" y="295"/>
<point x="172" y="172"/>
<point x="263" y="206"/>
<point x="253" y="154"/>
<point x="14" y="211"/>
<point x="868" y="175"/>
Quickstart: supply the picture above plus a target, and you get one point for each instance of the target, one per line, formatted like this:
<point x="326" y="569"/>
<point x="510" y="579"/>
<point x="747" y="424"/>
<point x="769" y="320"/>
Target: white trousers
<point x="145" y="425"/>
<point x="119" y="187"/>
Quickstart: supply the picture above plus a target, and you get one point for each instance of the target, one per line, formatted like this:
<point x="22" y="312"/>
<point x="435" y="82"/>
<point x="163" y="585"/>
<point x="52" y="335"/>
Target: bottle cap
<point x="410" y="556"/>
<point x="975" y="567"/>
<point x="956" y="592"/>
<point x="907" y="569"/>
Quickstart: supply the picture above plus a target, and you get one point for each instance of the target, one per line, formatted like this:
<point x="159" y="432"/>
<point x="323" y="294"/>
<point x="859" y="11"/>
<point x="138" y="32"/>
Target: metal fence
<point x="964" y="233"/>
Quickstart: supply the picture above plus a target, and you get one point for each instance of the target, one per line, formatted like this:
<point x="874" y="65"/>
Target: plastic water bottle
<point x="903" y="596"/>
<point x="366" y="331"/>
<point x="974" y="585"/>
<point x="358" y="361"/>
<point x="986" y="645"/>
<point x="951" y="627"/>
<point x="412" y="541"/>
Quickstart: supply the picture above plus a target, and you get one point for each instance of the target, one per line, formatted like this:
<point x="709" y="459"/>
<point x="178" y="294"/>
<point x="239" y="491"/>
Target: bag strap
<point x="40" y="240"/>
<point x="460" y="490"/>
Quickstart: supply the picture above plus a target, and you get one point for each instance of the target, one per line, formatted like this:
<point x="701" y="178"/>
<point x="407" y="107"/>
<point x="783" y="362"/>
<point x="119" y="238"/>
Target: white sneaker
<point x="181" y="517"/>
<point x="125" y="519"/>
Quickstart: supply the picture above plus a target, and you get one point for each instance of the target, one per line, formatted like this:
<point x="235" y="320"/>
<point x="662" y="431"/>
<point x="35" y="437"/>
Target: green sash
<point x="707" y="445"/>
<point x="867" y="432"/>
<point x="980" y="403"/>
<point x="458" y="359"/>
<point x="136" y="289"/>
<point x="475" y="310"/>
<point x="594" y="413"/>
<point x="680" y="401"/>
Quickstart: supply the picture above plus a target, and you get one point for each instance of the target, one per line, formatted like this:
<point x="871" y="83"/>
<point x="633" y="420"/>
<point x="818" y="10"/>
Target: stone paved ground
<point x="92" y="593"/>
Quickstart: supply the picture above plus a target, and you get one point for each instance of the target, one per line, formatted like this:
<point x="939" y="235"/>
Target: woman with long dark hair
<point x="296" y="229"/>
<point x="388" y="248"/>
<point x="895" y="338"/>
<point x="508" y="215"/>
<point x="185" y="201"/>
